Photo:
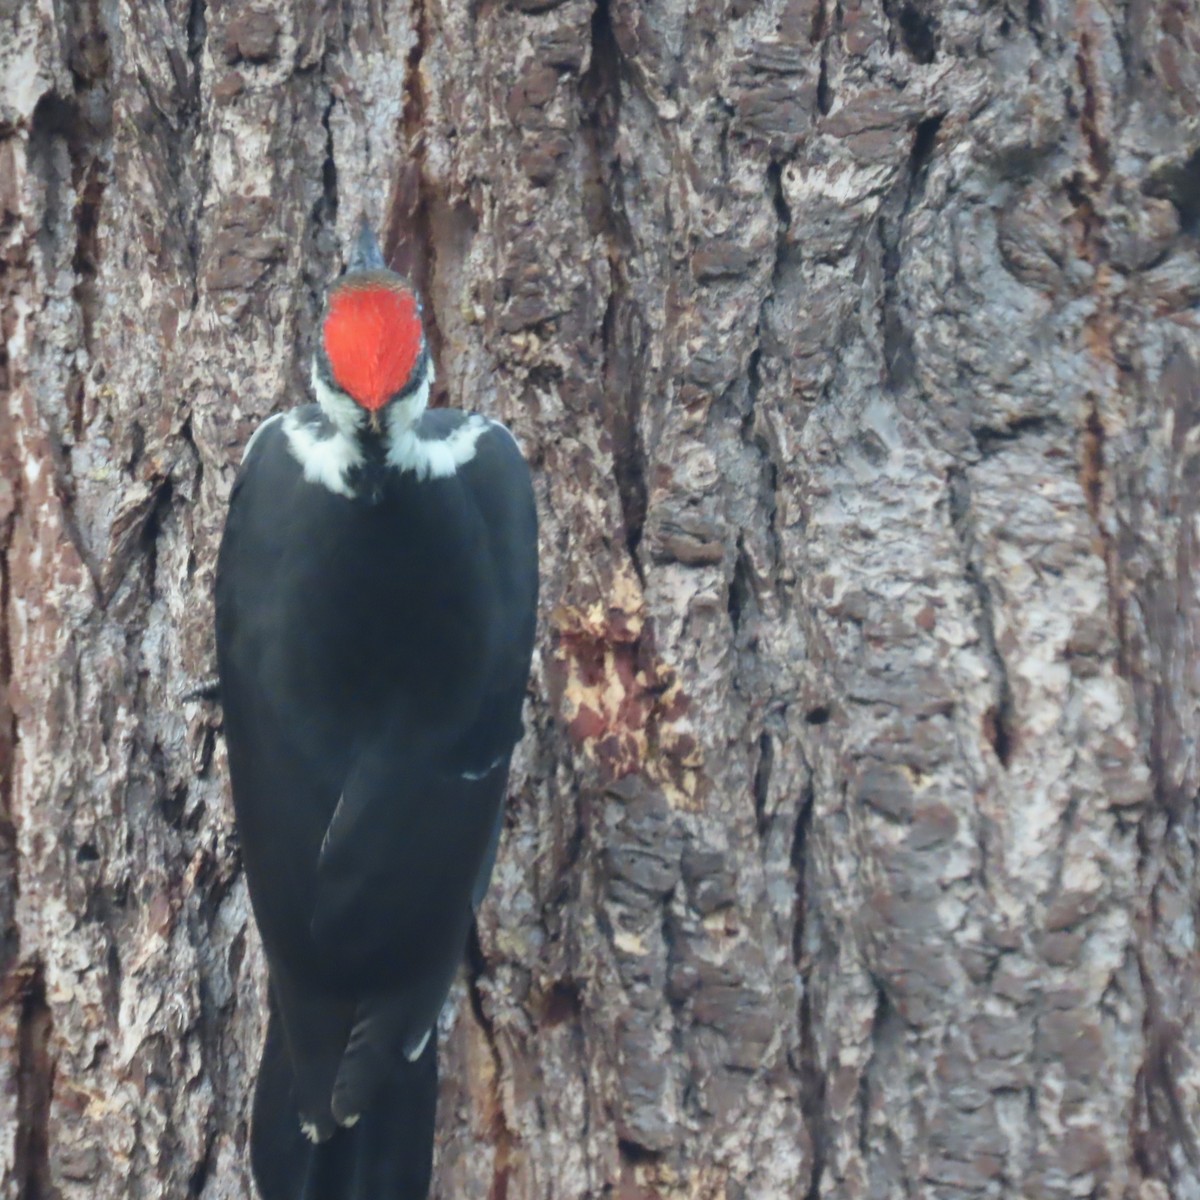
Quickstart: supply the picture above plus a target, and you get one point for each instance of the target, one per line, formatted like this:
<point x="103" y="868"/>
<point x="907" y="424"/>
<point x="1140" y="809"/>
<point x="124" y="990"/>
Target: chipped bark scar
<point x="623" y="706"/>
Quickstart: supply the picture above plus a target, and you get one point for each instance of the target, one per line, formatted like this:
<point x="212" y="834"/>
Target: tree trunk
<point x="852" y="850"/>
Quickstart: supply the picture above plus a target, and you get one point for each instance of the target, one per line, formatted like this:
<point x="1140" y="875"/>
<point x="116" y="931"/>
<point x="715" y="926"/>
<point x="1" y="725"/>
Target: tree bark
<point x="852" y="849"/>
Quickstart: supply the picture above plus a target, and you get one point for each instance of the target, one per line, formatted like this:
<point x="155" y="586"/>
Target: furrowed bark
<point x="852" y="849"/>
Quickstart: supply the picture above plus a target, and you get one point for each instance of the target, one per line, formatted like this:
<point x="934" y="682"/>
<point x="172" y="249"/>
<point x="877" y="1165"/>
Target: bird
<point x="376" y="597"/>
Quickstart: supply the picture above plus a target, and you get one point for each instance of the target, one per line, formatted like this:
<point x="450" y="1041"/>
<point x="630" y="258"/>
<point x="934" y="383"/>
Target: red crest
<point x="372" y="337"/>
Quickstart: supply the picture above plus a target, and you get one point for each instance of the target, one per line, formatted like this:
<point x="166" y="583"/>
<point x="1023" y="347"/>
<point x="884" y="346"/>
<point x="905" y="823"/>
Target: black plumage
<point x="373" y="651"/>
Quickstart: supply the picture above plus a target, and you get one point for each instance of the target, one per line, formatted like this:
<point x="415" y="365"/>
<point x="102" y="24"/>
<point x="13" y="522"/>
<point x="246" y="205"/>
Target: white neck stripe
<point x="326" y="460"/>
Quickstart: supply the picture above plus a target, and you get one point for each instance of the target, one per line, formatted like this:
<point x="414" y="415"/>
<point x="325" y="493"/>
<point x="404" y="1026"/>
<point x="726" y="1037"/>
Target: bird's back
<point x="388" y="635"/>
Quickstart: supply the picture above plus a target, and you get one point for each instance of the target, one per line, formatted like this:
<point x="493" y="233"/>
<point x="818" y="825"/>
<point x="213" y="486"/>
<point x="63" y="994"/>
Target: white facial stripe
<point x="258" y="433"/>
<point x="342" y="410"/>
<point x="325" y="460"/>
<point x="402" y="413"/>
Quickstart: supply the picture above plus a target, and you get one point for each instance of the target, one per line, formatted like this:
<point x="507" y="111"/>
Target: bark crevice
<point x="503" y="1137"/>
<point x="622" y="366"/>
<point x="410" y="241"/>
<point x="999" y="721"/>
<point x="786" y="262"/>
<point x="11" y="498"/>
<point x="35" y="1081"/>
<point x="899" y="356"/>
<point x="812" y="1075"/>
<point x="1164" y="1045"/>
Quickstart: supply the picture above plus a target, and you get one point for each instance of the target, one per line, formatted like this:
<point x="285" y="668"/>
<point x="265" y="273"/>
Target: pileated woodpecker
<point x="376" y="591"/>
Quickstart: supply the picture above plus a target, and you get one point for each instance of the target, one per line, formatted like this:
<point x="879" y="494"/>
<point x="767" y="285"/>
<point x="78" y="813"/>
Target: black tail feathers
<point x="386" y="1155"/>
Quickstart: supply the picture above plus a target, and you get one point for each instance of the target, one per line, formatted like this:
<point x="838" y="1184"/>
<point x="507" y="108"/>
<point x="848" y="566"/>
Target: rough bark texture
<point x="853" y="849"/>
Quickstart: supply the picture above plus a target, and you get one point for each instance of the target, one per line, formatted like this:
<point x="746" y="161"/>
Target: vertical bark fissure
<point x="181" y="166"/>
<point x="1035" y="20"/>
<point x="503" y="1137"/>
<point x="739" y="594"/>
<point x="813" y="1082"/>
<point x="323" y="218"/>
<point x="1163" y="1042"/>
<point x="35" y="1073"/>
<point x="825" y="94"/>
<point x="197" y="33"/>
<point x="1094" y="139"/>
<point x="420" y="242"/>
<point x="16" y="279"/>
<point x="756" y="443"/>
<point x="812" y="1101"/>
<point x="203" y="1169"/>
<point x="1093" y="471"/>
<point x="785" y="257"/>
<point x="327" y="205"/>
<point x="59" y="122"/>
<point x="10" y="734"/>
<point x="898" y="353"/>
<point x="762" y="780"/>
<point x="600" y="96"/>
<point x="863" y="1097"/>
<point x="90" y="61"/>
<point x="999" y="720"/>
<point x="1098" y="329"/>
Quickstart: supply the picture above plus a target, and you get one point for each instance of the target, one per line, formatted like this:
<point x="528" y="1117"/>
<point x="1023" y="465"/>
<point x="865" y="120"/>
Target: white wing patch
<point x="415" y="1053"/>
<point x="326" y="460"/>
<point x="258" y="433"/>
<point x="474" y="775"/>
<point x="332" y="822"/>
